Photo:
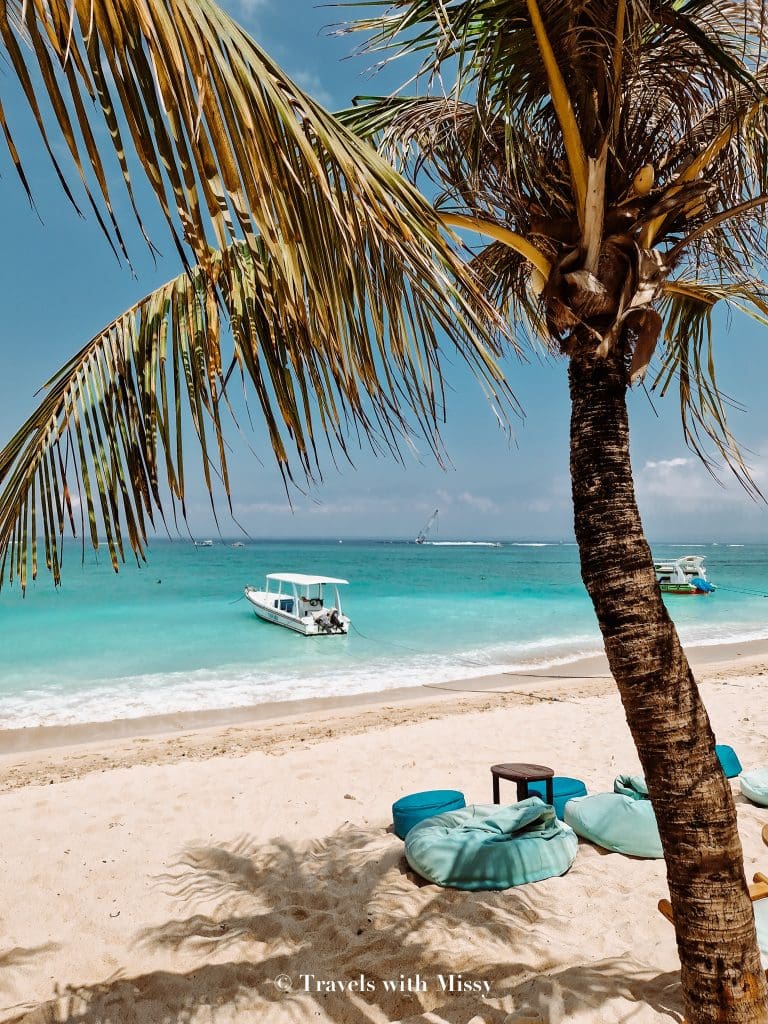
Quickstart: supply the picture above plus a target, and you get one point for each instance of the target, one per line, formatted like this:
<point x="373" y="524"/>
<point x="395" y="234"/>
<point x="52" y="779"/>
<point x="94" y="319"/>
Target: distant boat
<point x="298" y="602"/>
<point x="203" y="543"/>
<point x="431" y="524"/>
<point x="685" y="575"/>
<point x="237" y="544"/>
<point x="423" y="534"/>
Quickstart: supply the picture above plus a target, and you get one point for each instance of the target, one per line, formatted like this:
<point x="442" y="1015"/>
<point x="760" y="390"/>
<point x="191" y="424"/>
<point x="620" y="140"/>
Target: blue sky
<point x="60" y="284"/>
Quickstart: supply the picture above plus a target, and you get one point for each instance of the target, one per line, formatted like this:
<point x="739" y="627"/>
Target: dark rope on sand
<point x="544" y="697"/>
<point x="544" y="675"/>
<point x="479" y="664"/>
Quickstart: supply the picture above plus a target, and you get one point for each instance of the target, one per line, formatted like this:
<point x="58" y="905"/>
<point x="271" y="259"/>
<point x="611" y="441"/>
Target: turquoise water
<point x="174" y="635"/>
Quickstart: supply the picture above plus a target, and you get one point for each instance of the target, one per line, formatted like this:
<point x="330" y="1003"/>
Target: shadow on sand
<point x="269" y="931"/>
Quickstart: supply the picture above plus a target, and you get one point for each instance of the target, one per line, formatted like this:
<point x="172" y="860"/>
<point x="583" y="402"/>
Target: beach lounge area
<point x="247" y="870"/>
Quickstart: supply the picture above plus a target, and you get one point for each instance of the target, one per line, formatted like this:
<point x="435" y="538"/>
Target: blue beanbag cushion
<point x="622" y="821"/>
<point x="729" y="762"/>
<point x="410" y="810"/>
<point x="754" y="786"/>
<point x="491" y="847"/>
<point x="760" y="908"/>
<point x="563" y="790"/>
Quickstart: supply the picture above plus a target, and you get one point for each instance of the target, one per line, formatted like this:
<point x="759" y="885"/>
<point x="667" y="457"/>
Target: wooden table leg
<point x="549" y="792"/>
<point x="522" y="790"/>
<point x="495" y="788"/>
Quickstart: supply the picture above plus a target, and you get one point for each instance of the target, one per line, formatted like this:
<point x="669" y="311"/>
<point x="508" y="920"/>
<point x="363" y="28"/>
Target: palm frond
<point x="491" y="167"/>
<point x="670" y="93"/>
<point x="341" y="273"/>
<point x="689" y="363"/>
<point x="245" y="154"/>
<point x="670" y="65"/>
<point x="110" y="428"/>
<point x="506" y="277"/>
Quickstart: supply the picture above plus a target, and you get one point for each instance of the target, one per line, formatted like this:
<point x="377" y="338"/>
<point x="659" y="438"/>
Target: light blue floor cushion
<point x="486" y="846"/>
<point x="760" y="908"/>
<point x="563" y="790"/>
<point x="622" y="821"/>
<point x="754" y="786"/>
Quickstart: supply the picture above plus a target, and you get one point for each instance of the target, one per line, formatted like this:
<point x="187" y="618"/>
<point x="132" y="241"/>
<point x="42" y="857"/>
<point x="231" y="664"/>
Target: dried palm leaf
<point x="111" y="425"/>
<point x="688" y="359"/>
<point x="344" y="283"/>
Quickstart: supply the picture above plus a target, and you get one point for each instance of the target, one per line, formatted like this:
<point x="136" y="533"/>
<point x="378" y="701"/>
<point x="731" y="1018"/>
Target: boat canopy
<point x="301" y="580"/>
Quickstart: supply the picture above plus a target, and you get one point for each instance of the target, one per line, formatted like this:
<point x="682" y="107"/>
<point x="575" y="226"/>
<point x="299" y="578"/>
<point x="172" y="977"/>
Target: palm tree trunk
<point x="721" y="974"/>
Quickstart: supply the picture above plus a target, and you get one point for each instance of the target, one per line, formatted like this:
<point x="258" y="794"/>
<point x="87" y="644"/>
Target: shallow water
<point x="174" y="635"/>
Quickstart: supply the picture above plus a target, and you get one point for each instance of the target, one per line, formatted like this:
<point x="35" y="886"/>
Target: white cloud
<point x="679" y="479"/>
<point x="248" y="7"/>
<point x="479" y="502"/>
<point x="251" y="508"/>
<point x="679" y="499"/>
<point x="665" y="464"/>
<point x="311" y="83"/>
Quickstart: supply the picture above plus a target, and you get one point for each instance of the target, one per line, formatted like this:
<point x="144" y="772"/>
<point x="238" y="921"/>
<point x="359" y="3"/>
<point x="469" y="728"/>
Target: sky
<point x="59" y="284"/>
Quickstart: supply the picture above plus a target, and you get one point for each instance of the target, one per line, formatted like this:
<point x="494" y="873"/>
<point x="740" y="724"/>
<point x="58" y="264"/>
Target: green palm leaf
<point x="111" y="425"/>
<point x="688" y="362"/>
<point x="334" y="272"/>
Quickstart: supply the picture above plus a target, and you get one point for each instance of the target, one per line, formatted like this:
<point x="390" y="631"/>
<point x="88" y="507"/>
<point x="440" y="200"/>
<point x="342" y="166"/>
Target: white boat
<point x="299" y="602"/>
<point x="685" y="575"/>
<point x="203" y="543"/>
<point x="423" y="534"/>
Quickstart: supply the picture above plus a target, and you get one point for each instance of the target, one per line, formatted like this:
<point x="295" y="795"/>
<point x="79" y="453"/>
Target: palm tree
<point x="615" y="152"/>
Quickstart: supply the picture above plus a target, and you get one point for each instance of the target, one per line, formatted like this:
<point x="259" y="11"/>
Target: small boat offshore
<point x="299" y="602"/>
<point x="686" y="576"/>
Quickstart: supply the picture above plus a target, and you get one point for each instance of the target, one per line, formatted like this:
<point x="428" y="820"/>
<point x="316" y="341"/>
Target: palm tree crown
<point x="626" y="141"/>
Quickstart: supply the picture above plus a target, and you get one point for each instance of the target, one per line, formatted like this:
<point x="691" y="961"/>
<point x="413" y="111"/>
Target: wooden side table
<point x="522" y="774"/>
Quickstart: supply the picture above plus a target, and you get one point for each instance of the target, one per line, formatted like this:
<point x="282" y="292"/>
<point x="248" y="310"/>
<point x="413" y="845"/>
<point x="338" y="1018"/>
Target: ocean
<point x="175" y="635"/>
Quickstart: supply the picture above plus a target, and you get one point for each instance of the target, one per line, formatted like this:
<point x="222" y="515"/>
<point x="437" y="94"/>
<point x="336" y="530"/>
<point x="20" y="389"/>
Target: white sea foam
<point x="715" y="634"/>
<point x="240" y="686"/>
<point x="420" y="631"/>
<point x="462" y="543"/>
<point x="237" y="686"/>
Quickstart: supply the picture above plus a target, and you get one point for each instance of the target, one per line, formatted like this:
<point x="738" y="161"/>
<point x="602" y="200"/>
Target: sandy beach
<point x="242" y="867"/>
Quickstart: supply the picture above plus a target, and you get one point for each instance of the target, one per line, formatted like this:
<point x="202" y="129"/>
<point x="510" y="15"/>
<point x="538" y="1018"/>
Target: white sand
<point x="177" y="885"/>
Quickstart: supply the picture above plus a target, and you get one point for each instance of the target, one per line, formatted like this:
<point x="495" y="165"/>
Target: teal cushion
<point x="563" y="790"/>
<point x="410" y="810"/>
<point x="622" y="821"/>
<point x="632" y="786"/>
<point x="490" y="847"/>
<point x="754" y="786"/>
<point x="729" y="762"/>
<point x="760" y="908"/>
